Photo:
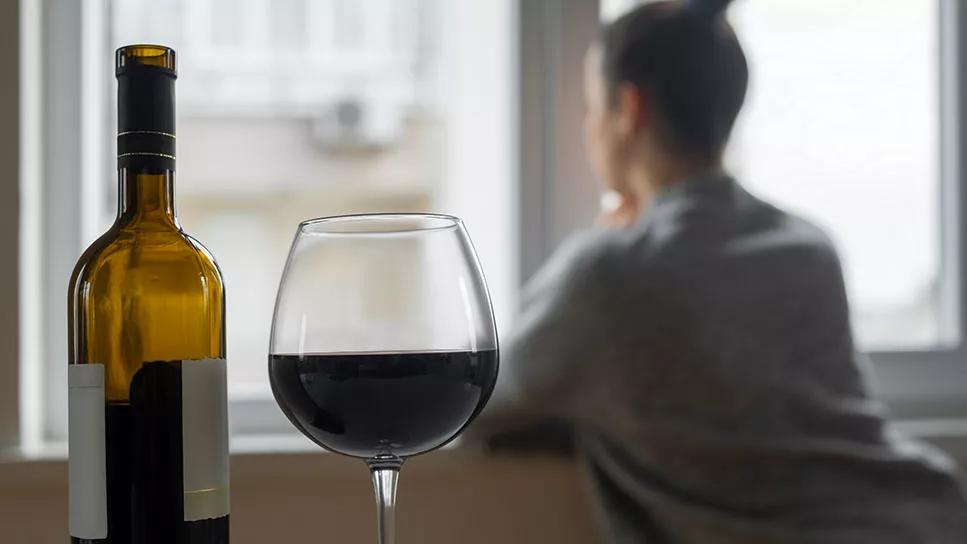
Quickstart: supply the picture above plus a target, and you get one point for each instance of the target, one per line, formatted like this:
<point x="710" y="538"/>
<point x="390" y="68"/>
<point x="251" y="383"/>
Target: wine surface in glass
<point x="371" y="404"/>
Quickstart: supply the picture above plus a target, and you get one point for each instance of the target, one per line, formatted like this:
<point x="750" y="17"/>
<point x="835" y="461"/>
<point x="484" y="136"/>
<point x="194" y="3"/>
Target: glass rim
<point x="379" y="223"/>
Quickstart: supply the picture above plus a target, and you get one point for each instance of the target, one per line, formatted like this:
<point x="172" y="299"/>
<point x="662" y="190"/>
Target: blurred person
<point x="699" y="339"/>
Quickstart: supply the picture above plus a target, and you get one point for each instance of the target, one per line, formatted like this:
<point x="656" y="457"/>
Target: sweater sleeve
<point x="561" y="323"/>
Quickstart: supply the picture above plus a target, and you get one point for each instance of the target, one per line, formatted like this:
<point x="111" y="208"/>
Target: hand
<point x="618" y="210"/>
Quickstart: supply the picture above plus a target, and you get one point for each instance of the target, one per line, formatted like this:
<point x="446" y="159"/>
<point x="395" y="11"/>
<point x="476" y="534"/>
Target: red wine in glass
<point x="383" y="404"/>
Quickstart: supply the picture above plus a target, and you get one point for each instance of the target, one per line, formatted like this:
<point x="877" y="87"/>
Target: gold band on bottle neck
<point x="125" y="133"/>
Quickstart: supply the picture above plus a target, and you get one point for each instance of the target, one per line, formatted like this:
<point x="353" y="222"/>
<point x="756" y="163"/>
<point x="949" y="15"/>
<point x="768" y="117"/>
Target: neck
<point x="146" y="198"/>
<point x="654" y="174"/>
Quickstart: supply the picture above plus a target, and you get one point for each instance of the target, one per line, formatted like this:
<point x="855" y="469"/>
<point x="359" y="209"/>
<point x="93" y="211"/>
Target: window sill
<point x="276" y="455"/>
<point x="949" y="434"/>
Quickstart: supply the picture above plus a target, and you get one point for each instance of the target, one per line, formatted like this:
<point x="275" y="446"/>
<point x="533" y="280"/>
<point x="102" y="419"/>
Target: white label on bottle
<point x="204" y="405"/>
<point x="86" y="464"/>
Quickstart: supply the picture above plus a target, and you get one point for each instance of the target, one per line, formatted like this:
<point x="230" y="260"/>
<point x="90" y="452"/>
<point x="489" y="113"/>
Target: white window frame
<point x="933" y="383"/>
<point x="61" y="148"/>
<point x="556" y="198"/>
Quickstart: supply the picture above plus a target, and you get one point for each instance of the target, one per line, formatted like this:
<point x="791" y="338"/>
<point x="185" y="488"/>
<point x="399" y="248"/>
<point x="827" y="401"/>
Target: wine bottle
<point x="147" y="425"/>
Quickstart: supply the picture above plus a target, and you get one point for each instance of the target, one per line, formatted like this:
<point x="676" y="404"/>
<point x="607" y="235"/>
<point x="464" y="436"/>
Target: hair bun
<point x="708" y="8"/>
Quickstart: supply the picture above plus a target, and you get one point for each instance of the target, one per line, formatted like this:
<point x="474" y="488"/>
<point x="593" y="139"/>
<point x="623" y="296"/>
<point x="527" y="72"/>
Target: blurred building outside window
<point x="288" y="110"/>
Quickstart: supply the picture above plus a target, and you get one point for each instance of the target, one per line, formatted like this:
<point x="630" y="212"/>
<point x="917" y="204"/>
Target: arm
<point x="562" y="317"/>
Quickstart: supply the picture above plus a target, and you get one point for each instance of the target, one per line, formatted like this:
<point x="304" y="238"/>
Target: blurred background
<point x="292" y="109"/>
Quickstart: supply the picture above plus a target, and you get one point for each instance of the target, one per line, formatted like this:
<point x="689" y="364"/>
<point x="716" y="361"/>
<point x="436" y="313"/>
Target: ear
<point x="630" y="107"/>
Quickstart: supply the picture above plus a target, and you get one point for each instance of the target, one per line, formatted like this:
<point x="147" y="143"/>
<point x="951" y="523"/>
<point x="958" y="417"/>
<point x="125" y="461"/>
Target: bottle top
<point x="146" y="106"/>
<point x="140" y="56"/>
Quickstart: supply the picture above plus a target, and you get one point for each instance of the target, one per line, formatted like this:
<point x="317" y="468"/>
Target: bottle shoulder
<point x="156" y="257"/>
<point x="204" y="255"/>
<point x="90" y="255"/>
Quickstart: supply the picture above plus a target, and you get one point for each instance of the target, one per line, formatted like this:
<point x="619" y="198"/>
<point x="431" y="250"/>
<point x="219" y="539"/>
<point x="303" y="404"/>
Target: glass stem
<point x="386" y="472"/>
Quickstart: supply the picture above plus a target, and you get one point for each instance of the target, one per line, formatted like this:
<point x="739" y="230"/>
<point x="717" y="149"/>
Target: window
<point x="293" y="109"/>
<point x="853" y="120"/>
<point x="297" y="108"/>
<point x="841" y="125"/>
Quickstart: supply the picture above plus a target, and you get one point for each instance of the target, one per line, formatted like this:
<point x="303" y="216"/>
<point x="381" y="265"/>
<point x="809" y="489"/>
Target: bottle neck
<point x="146" y="198"/>
<point x="146" y="137"/>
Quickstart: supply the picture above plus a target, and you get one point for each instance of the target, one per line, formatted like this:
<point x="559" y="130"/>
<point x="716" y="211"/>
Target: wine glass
<point x="383" y="340"/>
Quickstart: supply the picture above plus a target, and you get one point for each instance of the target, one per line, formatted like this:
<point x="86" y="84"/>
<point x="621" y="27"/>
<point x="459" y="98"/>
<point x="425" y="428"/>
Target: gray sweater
<point x="707" y="360"/>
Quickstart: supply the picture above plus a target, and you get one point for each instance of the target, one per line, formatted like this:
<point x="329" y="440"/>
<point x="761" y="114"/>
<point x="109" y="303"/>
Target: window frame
<point x="62" y="153"/>
<point x="556" y="200"/>
<point x="553" y="199"/>
<point x="933" y="383"/>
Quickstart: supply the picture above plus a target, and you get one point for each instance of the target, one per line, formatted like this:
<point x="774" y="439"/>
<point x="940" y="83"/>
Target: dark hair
<point x="686" y="58"/>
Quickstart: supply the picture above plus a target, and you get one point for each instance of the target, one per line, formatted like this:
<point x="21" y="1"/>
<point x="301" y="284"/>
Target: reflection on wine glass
<point x="383" y="340"/>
